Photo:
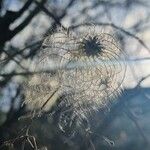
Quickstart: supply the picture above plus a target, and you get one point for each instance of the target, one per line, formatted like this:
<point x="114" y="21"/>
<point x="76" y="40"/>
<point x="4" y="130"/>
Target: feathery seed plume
<point x="86" y="72"/>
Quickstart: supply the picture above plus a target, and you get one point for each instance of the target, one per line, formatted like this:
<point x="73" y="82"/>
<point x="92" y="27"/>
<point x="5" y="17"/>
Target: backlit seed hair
<point x="86" y="72"/>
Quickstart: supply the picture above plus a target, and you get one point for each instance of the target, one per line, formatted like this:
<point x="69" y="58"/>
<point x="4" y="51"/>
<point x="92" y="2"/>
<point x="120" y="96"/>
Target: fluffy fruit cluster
<point x="81" y="73"/>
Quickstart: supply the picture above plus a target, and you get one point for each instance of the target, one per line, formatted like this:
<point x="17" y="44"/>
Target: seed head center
<point x="92" y="46"/>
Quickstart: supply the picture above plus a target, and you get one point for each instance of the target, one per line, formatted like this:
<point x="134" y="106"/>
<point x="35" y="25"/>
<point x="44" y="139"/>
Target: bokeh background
<point x="23" y="26"/>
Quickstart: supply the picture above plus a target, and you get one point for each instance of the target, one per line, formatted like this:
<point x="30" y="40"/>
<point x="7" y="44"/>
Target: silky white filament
<point x="86" y="72"/>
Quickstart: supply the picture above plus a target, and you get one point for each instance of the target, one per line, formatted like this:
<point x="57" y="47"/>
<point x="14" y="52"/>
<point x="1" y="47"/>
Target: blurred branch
<point x="50" y="14"/>
<point x="27" y="20"/>
<point x="40" y="6"/>
<point x="9" y="18"/>
<point x="21" y="51"/>
<point x="57" y="19"/>
<point x="23" y="9"/>
<point x="12" y="58"/>
<point x="14" y="15"/>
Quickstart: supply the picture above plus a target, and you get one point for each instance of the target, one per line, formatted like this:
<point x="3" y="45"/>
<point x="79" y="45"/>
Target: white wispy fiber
<point x="90" y="70"/>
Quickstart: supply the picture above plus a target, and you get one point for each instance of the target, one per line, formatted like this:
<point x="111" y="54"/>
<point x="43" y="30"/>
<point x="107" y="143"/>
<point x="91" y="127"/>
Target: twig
<point x="12" y="58"/>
